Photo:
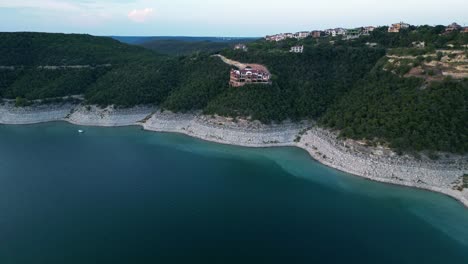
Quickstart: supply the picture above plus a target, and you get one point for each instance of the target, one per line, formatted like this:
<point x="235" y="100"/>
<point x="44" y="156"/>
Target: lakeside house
<point x="249" y="75"/>
<point x="395" y="28"/>
<point x="297" y="49"/>
<point x="241" y="46"/>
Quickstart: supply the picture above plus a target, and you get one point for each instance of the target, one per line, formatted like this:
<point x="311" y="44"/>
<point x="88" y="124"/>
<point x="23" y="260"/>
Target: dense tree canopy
<point x="342" y="84"/>
<point x="404" y="112"/>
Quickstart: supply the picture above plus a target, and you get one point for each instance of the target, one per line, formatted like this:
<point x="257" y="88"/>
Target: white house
<point x="241" y="47"/>
<point x="302" y="34"/>
<point x="297" y="49"/>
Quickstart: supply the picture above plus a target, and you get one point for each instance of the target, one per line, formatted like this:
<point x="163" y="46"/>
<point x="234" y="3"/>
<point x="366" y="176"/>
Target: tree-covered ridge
<point x="181" y="84"/>
<point x="404" y="112"/>
<point x="433" y="37"/>
<point x="35" y="49"/>
<point x="304" y="85"/>
<point x="346" y="85"/>
<point x="181" y="48"/>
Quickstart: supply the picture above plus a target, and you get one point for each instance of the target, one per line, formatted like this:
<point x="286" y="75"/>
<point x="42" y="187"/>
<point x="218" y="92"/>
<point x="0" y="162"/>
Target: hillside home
<point x="302" y="34"/>
<point x="249" y="75"/>
<point x="330" y="32"/>
<point x="395" y="28"/>
<point x="335" y="32"/>
<point x="316" y="34"/>
<point x="367" y="30"/>
<point x="353" y="33"/>
<point x="419" y="44"/>
<point x="297" y="49"/>
<point x="281" y="36"/>
<point x="278" y="37"/>
<point x="452" y="27"/>
<point x="242" y="47"/>
<point x="341" y="31"/>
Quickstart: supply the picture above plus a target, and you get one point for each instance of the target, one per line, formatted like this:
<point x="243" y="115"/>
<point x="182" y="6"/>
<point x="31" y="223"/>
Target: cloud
<point x="140" y="15"/>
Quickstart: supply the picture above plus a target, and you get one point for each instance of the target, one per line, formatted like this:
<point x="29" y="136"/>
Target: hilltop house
<point x="353" y="33"/>
<point x="452" y="27"/>
<point x="249" y="75"/>
<point x="367" y="30"/>
<point x="335" y="32"/>
<point x="395" y="28"/>
<point x="280" y="37"/>
<point x="302" y="34"/>
<point x="316" y="34"/>
<point x="297" y="49"/>
<point x="330" y="32"/>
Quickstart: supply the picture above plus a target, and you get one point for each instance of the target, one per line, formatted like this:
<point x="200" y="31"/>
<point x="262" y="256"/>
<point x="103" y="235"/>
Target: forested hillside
<point x="345" y="85"/>
<point x="180" y="47"/>
<point x="404" y="112"/>
<point x="304" y="85"/>
<point x="34" y="49"/>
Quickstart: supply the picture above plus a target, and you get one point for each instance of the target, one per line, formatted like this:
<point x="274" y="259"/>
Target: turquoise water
<point x="123" y="195"/>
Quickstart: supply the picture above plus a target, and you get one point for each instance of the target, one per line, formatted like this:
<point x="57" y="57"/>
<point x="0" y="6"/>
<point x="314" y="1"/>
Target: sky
<point x="233" y="18"/>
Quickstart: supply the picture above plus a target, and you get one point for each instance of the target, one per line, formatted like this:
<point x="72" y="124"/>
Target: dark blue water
<point x="122" y="195"/>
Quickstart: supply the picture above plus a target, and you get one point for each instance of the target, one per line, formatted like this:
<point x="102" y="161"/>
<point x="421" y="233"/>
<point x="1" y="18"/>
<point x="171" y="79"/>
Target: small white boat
<point x="81" y="131"/>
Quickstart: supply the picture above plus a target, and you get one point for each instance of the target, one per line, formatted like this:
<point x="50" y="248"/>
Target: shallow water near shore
<point x="123" y="195"/>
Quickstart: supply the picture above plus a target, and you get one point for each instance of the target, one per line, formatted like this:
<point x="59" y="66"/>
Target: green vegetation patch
<point x="342" y="84"/>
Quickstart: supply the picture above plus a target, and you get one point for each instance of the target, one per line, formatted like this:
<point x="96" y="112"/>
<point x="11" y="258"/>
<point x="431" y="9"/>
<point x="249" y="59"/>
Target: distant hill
<point x="30" y="49"/>
<point x="179" y="46"/>
<point x="140" y="40"/>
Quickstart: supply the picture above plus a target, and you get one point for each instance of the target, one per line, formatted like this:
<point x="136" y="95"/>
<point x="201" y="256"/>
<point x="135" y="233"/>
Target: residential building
<point x="367" y="30"/>
<point x="297" y="49"/>
<point x="276" y="38"/>
<point x="316" y="34"/>
<point x="395" y="28"/>
<point x="419" y="44"/>
<point x="249" y="75"/>
<point x="464" y="30"/>
<point x="452" y="27"/>
<point x="240" y="46"/>
<point x="353" y="33"/>
<point x="341" y="31"/>
<point x="335" y="32"/>
<point x="330" y="32"/>
<point x="281" y="36"/>
<point x="302" y="34"/>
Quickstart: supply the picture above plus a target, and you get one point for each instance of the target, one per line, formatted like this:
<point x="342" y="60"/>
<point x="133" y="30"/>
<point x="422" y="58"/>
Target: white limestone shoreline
<point x="374" y="163"/>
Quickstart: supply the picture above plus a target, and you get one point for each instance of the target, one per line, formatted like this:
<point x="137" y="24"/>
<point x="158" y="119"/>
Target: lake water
<point x="123" y="195"/>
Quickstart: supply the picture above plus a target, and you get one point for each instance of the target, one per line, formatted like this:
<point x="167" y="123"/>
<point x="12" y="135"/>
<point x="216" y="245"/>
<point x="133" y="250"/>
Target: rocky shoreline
<point x="374" y="163"/>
